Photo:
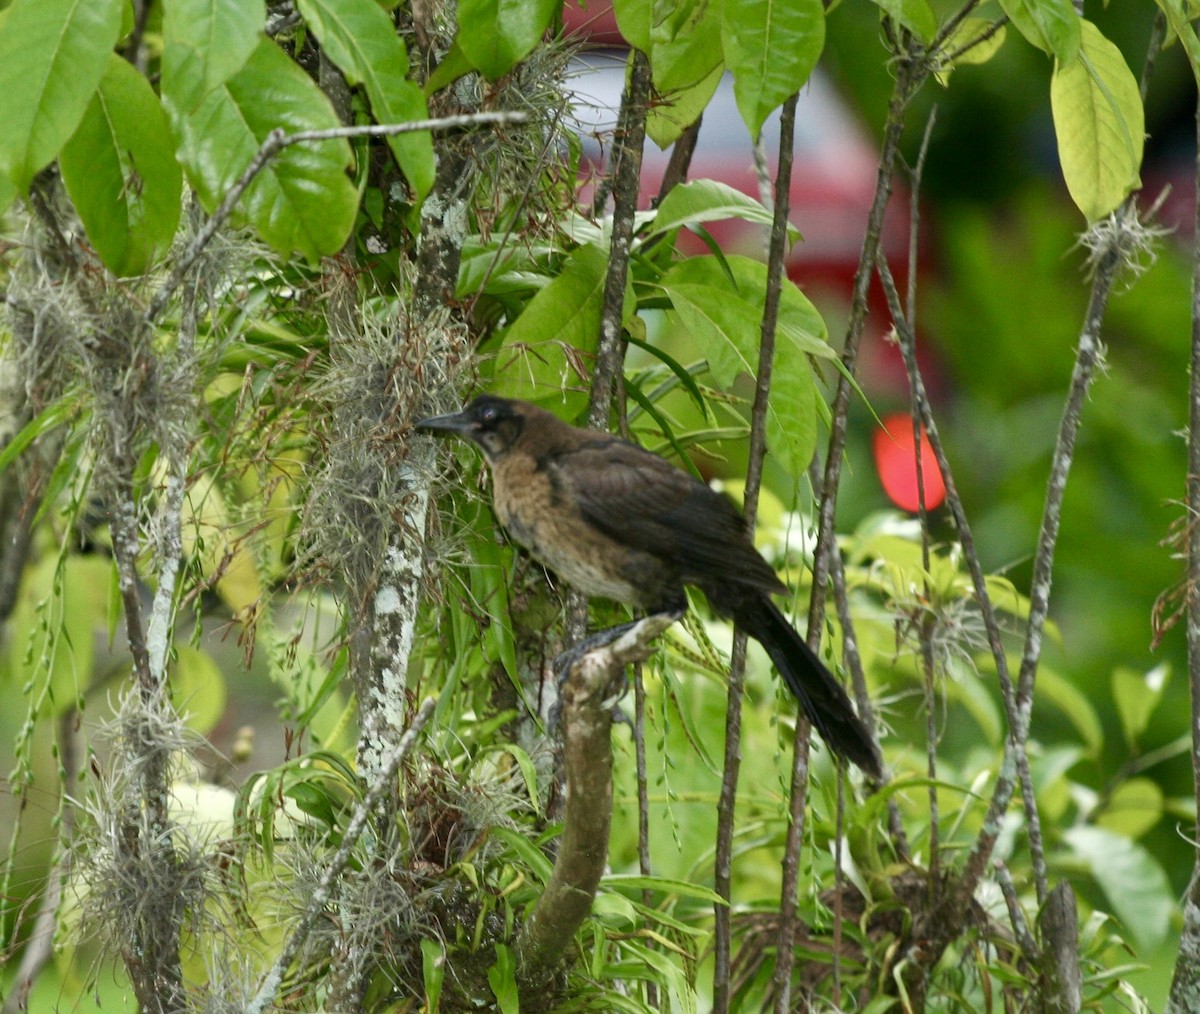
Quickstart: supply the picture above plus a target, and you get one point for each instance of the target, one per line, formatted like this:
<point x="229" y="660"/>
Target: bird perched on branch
<point x="618" y="522"/>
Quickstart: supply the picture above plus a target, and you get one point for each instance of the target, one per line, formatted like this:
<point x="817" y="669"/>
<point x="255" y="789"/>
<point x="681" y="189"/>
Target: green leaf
<point x="502" y="978"/>
<point x="197" y="688"/>
<point x="663" y="885"/>
<point x="722" y="319"/>
<point x="633" y="21"/>
<point x="302" y="199"/>
<point x="964" y="38"/>
<point x="360" y="38"/>
<point x="1132" y="880"/>
<point x="433" y="967"/>
<point x="792" y="409"/>
<point x="771" y="49"/>
<point x="915" y="15"/>
<point x="1133" y="808"/>
<point x="526" y="852"/>
<point x="51" y="416"/>
<point x="119" y="168"/>
<point x="452" y="66"/>
<point x="496" y="34"/>
<point x="1179" y="15"/>
<point x="698" y="201"/>
<point x="673" y="112"/>
<point x="205" y="42"/>
<point x="1099" y="122"/>
<point x="1052" y="26"/>
<point x="685" y="43"/>
<point x="725" y="318"/>
<point x="52" y="56"/>
<point x="537" y="360"/>
<point x="1136" y="695"/>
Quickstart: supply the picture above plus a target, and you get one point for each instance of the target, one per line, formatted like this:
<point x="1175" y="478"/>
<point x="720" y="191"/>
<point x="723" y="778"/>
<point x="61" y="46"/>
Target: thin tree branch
<point x="1185" y="983"/>
<point x="681" y="158"/>
<point x="626" y="176"/>
<point x="275" y="142"/>
<point x="910" y="74"/>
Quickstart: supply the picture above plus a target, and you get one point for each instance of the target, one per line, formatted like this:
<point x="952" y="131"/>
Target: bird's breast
<point x="543" y="518"/>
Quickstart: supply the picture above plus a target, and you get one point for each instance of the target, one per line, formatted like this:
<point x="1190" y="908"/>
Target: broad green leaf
<point x="1179" y="15"/>
<point x="685" y="43"/>
<point x="915" y="15"/>
<point x="1133" y="808"/>
<point x="725" y="318"/>
<point x="707" y="201"/>
<point x="119" y="168"/>
<point x="451" y="67"/>
<point x="496" y="34"/>
<point x="1052" y="26"/>
<point x="537" y="360"/>
<point x="722" y="320"/>
<point x="1132" y="880"/>
<point x="771" y="49"/>
<point x="302" y="199"/>
<point x="672" y="113"/>
<point x="360" y="38"/>
<point x="792" y="409"/>
<point x="197" y="688"/>
<point x="205" y="42"/>
<point x="633" y="20"/>
<point x="52" y="56"/>
<point x="1098" y="119"/>
<point x="1136" y="695"/>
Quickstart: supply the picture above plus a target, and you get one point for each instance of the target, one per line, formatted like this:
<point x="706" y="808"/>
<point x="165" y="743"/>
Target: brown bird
<point x="618" y="522"/>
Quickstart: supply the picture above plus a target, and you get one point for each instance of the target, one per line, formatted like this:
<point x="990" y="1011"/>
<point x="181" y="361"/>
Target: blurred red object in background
<point x="896" y="463"/>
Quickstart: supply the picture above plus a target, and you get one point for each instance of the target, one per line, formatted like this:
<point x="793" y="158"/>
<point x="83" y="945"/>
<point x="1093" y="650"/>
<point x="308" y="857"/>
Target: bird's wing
<point x="643" y="501"/>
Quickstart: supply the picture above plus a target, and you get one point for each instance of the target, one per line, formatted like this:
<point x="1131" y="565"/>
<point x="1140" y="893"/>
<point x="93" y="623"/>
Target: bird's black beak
<point x="455" y="422"/>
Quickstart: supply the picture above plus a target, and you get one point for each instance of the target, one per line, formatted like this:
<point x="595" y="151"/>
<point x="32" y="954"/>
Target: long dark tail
<point x="819" y="693"/>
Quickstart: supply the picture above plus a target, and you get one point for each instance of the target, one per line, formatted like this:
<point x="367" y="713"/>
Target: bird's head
<point x="495" y="424"/>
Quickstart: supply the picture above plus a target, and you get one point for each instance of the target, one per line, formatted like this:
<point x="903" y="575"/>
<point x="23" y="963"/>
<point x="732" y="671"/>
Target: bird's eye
<point x="488" y="415"/>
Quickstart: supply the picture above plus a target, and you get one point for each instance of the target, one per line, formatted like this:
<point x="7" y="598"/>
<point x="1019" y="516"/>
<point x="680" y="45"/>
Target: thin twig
<point x="910" y="74"/>
<point x="275" y="142"/>
<point x="321" y="894"/>
<point x="1185" y="983"/>
<point x="777" y="255"/>
<point x="927" y="619"/>
<point x="681" y="158"/>
<point x="626" y="176"/>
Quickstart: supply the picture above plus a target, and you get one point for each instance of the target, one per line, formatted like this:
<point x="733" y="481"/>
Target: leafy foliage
<point x="215" y="504"/>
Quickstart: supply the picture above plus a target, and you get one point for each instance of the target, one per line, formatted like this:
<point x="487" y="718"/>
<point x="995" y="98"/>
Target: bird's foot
<point x="639" y="630"/>
<point x="602" y="639"/>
